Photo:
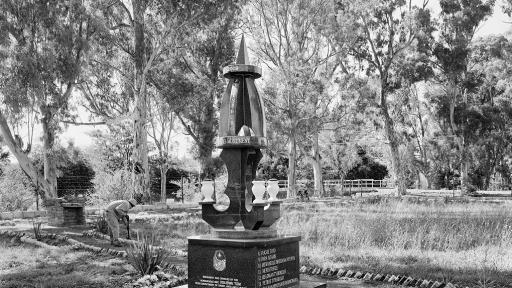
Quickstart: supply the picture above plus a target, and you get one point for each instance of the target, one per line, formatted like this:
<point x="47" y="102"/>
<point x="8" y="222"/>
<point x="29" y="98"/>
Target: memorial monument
<point x="243" y="249"/>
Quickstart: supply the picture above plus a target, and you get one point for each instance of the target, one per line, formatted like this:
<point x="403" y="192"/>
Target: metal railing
<point x="353" y="186"/>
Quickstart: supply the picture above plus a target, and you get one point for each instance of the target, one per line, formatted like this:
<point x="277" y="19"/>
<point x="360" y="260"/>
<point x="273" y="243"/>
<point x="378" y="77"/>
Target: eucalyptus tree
<point x="298" y="56"/>
<point x="197" y="74"/>
<point x="389" y="41"/>
<point x="488" y="108"/>
<point x="162" y="124"/>
<point x="143" y="36"/>
<point x="43" y="45"/>
<point x="459" y="21"/>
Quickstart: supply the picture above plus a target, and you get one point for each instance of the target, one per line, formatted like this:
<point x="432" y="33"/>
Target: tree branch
<point x="83" y="123"/>
<point x="189" y="130"/>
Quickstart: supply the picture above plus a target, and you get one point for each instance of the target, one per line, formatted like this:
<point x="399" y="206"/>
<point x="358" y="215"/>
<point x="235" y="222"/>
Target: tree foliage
<point x="44" y="46"/>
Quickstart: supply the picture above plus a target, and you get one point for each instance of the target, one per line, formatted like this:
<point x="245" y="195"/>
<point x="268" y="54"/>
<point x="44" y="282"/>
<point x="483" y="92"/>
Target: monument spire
<point x="243" y="56"/>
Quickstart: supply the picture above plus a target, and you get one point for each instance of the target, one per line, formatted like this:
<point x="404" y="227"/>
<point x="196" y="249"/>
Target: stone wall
<point x="97" y="211"/>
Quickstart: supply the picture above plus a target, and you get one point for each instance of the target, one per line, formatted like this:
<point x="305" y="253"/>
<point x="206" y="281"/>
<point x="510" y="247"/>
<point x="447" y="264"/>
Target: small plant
<point x="101" y="225"/>
<point x="36" y="226"/>
<point x="147" y="258"/>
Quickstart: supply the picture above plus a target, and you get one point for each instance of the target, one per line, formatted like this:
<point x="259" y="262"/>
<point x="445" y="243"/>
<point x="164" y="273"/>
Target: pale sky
<point x="79" y="134"/>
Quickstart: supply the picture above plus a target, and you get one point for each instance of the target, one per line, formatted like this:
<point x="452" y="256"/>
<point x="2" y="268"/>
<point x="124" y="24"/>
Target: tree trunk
<point x="207" y="137"/>
<point x="459" y="140"/>
<point x="464" y="170"/>
<point x="163" y="182"/>
<point x="393" y="145"/>
<point x="317" y="167"/>
<point x="50" y="174"/>
<point x="292" y="155"/>
<point x="140" y="155"/>
<point x="26" y="165"/>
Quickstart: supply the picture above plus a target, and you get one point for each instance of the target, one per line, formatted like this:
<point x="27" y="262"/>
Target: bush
<point x="16" y="191"/>
<point x="111" y="186"/>
<point x="146" y="258"/>
<point x="101" y="225"/>
<point x="367" y="168"/>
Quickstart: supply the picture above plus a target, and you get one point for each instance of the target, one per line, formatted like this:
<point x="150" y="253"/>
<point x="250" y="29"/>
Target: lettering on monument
<point x="220" y="282"/>
<point x="242" y="140"/>
<point x="271" y="271"/>
<point x="237" y="140"/>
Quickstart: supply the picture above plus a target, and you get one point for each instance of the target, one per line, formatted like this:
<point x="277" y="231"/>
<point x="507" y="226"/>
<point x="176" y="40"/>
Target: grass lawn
<point x="468" y="244"/>
<point x="24" y="265"/>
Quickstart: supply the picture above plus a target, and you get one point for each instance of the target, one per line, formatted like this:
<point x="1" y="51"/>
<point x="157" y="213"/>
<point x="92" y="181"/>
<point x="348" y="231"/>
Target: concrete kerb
<point x="74" y="244"/>
<point x="400" y="280"/>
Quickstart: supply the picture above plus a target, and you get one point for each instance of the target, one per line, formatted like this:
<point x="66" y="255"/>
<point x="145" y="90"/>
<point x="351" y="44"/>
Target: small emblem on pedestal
<point x="219" y="260"/>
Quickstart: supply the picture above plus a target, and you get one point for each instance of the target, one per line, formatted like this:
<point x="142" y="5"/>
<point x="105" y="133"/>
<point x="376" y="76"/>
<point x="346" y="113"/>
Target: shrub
<point x="101" y="225"/>
<point x="16" y="191"/>
<point x="147" y="258"/>
<point x="111" y="186"/>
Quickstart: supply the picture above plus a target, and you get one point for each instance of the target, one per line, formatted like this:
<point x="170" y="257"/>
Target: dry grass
<point x="464" y="243"/>
<point x="26" y="266"/>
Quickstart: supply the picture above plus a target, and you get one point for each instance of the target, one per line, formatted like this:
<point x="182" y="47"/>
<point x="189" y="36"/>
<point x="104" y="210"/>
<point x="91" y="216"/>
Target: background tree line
<point x="416" y="90"/>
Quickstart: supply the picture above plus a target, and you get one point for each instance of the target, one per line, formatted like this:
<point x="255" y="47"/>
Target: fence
<point x="352" y="186"/>
<point x="73" y="186"/>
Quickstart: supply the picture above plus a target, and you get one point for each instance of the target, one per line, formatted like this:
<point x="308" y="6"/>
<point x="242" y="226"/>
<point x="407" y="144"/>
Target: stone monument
<point x="243" y="249"/>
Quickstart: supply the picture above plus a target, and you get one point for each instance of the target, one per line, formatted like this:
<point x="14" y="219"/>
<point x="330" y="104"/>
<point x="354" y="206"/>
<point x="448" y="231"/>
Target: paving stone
<point x="341" y="273"/>
<point x="358" y="275"/>
<point x="407" y="281"/>
<point x="325" y="271"/>
<point x="378" y="277"/>
<point x="350" y="274"/>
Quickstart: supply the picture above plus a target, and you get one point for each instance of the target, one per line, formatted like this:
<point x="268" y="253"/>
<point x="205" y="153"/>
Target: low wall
<point x="95" y="210"/>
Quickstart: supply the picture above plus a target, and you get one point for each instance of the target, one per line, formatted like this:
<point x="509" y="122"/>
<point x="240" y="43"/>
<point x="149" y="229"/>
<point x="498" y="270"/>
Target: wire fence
<point x="74" y="186"/>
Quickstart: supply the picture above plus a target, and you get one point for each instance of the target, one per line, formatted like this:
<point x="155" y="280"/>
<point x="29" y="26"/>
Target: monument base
<point x="215" y="262"/>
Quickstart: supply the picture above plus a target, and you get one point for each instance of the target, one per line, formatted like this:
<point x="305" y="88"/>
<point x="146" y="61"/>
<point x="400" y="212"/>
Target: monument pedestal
<point x="243" y="263"/>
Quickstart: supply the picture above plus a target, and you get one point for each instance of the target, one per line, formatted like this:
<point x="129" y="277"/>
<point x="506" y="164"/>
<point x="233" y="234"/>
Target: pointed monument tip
<point x="243" y="56"/>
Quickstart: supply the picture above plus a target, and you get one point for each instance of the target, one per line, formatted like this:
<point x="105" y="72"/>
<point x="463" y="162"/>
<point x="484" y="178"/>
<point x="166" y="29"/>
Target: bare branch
<point x="83" y="123"/>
